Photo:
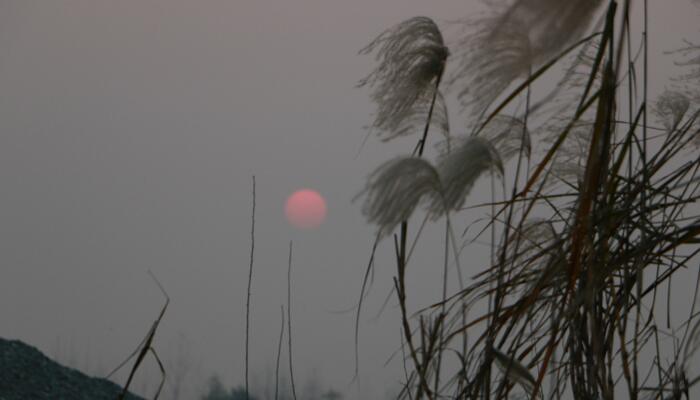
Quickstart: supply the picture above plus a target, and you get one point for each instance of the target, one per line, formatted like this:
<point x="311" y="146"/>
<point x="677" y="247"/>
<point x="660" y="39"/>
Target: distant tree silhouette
<point x="217" y="391"/>
<point x="313" y="390"/>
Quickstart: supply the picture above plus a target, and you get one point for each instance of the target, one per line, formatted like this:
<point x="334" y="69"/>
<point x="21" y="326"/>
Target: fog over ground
<point x="129" y="133"/>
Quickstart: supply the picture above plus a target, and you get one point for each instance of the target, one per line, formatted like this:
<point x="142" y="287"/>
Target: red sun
<point x="305" y="209"/>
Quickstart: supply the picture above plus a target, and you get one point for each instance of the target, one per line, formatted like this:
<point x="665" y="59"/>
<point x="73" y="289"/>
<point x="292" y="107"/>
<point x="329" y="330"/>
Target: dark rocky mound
<point x="26" y="374"/>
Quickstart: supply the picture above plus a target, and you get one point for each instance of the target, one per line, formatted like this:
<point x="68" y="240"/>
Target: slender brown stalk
<point x="250" y="282"/>
<point x="279" y="355"/>
<point x="289" y="320"/>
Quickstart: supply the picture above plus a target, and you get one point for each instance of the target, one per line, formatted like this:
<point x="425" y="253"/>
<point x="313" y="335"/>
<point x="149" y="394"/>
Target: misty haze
<point x="324" y="200"/>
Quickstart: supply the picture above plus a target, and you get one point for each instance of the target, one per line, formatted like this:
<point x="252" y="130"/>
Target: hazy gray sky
<point x="129" y="131"/>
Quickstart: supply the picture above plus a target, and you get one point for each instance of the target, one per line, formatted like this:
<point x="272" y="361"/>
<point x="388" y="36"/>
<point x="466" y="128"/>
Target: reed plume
<point x="411" y="59"/>
<point x="413" y="121"/>
<point x="396" y="188"/>
<point x="670" y="108"/>
<point x="508" y="135"/>
<point x="512" y="41"/>
<point x="459" y="169"/>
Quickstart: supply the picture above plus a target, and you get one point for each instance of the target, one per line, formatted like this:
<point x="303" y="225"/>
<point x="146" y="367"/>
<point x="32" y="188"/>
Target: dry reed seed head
<point x="688" y="85"/>
<point x="411" y="58"/>
<point x="459" y="170"/>
<point x="569" y="162"/>
<point x="670" y="108"/>
<point x="692" y="53"/>
<point x="690" y="80"/>
<point x="508" y="135"/>
<point x="532" y="237"/>
<point x="415" y="118"/>
<point x="563" y="100"/>
<point x="396" y="188"/>
<point x="513" y="41"/>
<point x="493" y="60"/>
<point x="553" y="24"/>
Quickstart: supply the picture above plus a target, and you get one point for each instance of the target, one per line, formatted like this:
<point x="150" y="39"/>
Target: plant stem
<point x="289" y="320"/>
<point x="250" y="281"/>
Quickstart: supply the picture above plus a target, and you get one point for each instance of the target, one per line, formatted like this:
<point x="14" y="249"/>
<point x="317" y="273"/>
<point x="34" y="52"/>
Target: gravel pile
<point x="26" y="374"/>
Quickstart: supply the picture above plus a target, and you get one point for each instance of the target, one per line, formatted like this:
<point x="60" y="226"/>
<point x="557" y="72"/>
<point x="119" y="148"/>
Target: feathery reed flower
<point x="395" y="189"/>
<point x="495" y="55"/>
<point x="569" y="162"/>
<point x="508" y="135"/>
<point x="670" y="108"/>
<point x="533" y="237"/>
<point x="414" y="119"/>
<point x="459" y="170"/>
<point x="411" y="57"/>
<point x="692" y="60"/>
<point x="513" y="41"/>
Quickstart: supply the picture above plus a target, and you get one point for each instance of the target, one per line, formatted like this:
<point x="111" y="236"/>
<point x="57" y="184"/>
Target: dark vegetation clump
<point x="26" y="374"/>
